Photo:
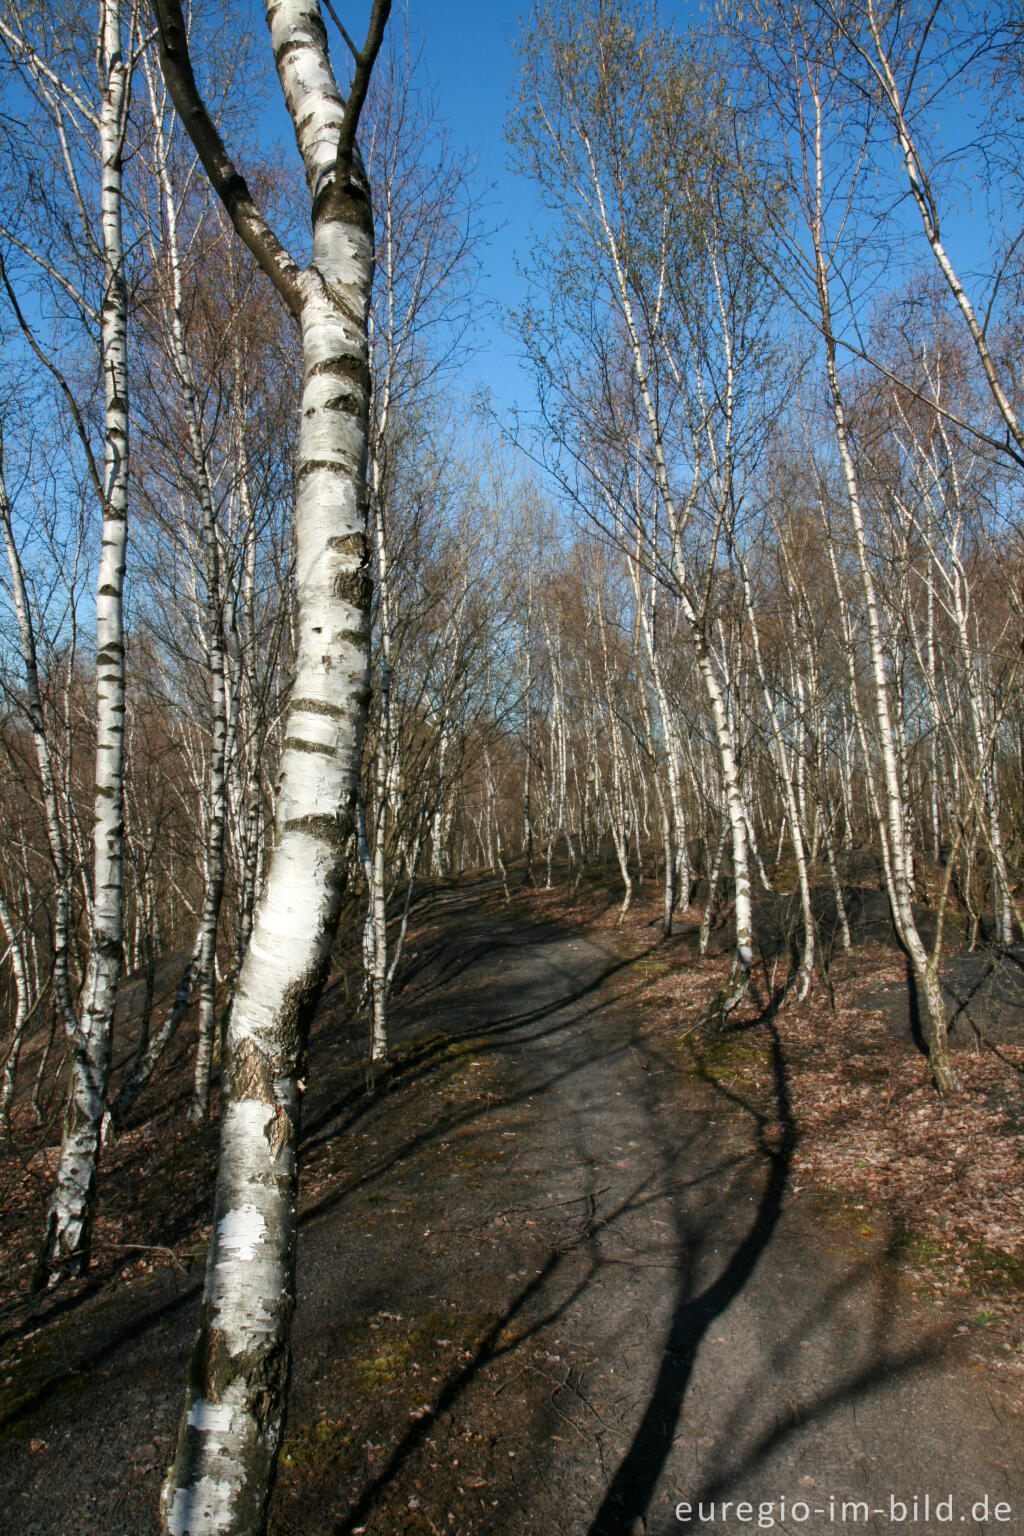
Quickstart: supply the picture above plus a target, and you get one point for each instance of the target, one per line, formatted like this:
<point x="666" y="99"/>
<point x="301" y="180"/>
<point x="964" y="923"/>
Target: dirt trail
<point x="549" y="1284"/>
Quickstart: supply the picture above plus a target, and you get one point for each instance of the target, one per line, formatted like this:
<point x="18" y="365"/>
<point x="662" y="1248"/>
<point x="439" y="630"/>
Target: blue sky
<point x="468" y="56"/>
<point x="468" y="53"/>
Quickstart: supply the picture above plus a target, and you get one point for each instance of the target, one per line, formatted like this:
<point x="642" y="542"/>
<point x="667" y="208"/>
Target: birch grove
<point x="731" y="614"/>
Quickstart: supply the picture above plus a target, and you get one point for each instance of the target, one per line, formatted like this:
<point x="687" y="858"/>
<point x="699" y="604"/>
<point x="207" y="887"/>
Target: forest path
<point x="548" y="1283"/>
<point x="640" y="1311"/>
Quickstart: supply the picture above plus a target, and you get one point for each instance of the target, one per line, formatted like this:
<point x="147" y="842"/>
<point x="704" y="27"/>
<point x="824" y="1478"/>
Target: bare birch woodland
<point x="294" y="629"/>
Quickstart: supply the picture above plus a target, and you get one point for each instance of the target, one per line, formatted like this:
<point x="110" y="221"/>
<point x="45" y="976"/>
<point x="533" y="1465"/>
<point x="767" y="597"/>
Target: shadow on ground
<point x="546" y="1282"/>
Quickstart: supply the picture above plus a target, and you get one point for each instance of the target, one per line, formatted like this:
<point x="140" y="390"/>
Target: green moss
<point x="651" y="968"/>
<point x="399" y="1346"/>
<point x="723" y="1057"/>
<point x="387" y="1366"/>
<point x="313" y="1447"/>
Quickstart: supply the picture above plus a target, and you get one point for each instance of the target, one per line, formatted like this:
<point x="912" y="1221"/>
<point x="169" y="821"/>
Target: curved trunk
<point x="233" y="1421"/>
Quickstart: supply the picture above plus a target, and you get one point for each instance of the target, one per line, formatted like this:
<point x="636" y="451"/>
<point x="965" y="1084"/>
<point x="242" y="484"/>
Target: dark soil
<point x="984" y="989"/>
<point x="984" y="995"/>
<point x="556" y="1275"/>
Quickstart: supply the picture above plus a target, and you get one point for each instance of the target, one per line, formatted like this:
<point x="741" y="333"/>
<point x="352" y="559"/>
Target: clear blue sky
<point x="468" y="54"/>
<point x="467" y="50"/>
<point x="468" y="58"/>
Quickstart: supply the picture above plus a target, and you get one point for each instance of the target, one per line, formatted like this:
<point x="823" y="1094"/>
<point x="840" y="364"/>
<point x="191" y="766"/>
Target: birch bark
<point x="230" y="1434"/>
<point x="69" y="1220"/>
<point x="55" y="821"/>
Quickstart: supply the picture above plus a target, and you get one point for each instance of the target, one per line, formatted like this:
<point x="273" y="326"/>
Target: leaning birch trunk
<point x="889" y="814"/>
<point x="377" y="915"/>
<point x="892" y="826"/>
<point x="231" y="1430"/>
<point x="69" y="1220"/>
<point x="731" y="994"/>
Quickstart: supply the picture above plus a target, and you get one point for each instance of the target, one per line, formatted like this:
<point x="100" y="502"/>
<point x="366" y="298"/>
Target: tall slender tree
<point x="234" y="1415"/>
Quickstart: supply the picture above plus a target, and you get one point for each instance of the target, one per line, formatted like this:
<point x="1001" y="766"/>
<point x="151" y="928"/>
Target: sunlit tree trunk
<point x="69" y="1220"/>
<point x="234" y="1413"/>
<point x="54" y="816"/>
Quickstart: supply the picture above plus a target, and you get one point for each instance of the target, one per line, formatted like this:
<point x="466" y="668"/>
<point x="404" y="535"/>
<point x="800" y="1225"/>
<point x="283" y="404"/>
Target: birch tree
<point x="230" y="1433"/>
<point x="88" y="121"/>
<point x="609" y="128"/>
<point x="823" y="141"/>
<point x="427" y="233"/>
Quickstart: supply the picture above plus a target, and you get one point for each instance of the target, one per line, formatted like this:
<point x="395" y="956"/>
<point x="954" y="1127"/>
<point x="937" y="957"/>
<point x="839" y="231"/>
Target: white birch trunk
<point x="214" y="865"/>
<point x="789" y="796"/>
<point x="69" y="1221"/>
<point x="13" y="931"/>
<point x="219" y="1484"/>
<point x="890" y="818"/>
<point x="44" y="761"/>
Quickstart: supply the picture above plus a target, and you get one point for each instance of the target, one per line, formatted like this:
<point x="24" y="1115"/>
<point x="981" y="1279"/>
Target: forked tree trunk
<point x="234" y="1413"/>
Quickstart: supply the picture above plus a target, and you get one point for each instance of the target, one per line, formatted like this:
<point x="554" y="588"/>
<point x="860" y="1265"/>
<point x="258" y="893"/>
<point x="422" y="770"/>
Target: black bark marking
<point x="330" y="466"/>
<point x="348" y="205"/>
<point x="355" y="587"/>
<point x="251" y="1074"/>
<point x="334" y="830"/>
<point x="354" y="368"/>
<point x="296" y="744"/>
<point x="298" y="1006"/>
<point x="350" y="544"/>
<point x="348" y="405"/>
<point x="319" y="707"/>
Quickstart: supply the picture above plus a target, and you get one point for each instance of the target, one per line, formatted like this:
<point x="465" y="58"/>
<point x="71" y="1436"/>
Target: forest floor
<point x="573" y="1266"/>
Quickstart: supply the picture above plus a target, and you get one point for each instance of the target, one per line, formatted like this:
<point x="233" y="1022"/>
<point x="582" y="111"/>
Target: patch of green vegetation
<point x="388" y="1365"/>
<point x="988" y="1273"/>
<point x="991" y="1272"/>
<point x="717" y="1059"/>
<point x="401" y="1345"/>
<point x="923" y="1252"/>
<point x="849" y="1217"/>
<point x="651" y="968"/>
<point x="313" y="1447"/>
